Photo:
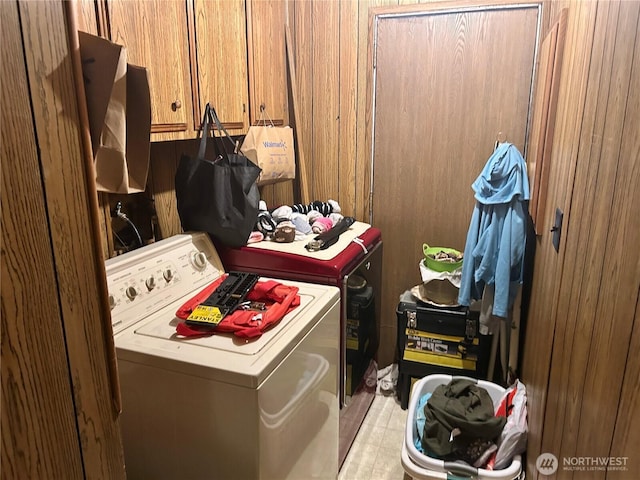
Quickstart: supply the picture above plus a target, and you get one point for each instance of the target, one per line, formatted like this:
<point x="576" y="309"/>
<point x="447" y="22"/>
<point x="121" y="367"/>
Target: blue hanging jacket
<point x="494" y="251"/>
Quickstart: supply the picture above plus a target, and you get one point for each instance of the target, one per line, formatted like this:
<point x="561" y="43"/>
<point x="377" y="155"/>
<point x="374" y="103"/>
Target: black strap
<point x="328" y="238"/>
<point x="210" y="120"/>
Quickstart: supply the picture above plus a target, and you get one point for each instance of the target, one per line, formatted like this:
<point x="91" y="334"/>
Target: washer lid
<point x="153" y="341"/>
<point x="164" y="327"/>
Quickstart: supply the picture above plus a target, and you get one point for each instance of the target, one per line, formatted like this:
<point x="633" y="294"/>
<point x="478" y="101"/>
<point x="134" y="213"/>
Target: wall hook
<point x="500" y="138"/>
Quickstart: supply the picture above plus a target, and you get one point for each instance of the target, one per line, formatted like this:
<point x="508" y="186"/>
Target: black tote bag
<point x="218" y="196"/>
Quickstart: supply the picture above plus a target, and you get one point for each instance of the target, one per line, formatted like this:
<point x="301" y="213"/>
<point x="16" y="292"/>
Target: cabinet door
<point x="86" y="17"/>
<point x="155" y="33"/>
<point x="267" y="60"/>
<point x="221" y="38"/>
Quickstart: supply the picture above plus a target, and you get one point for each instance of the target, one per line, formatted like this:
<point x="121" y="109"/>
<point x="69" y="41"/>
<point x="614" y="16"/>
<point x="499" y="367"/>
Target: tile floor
<point x="375" y="453"/>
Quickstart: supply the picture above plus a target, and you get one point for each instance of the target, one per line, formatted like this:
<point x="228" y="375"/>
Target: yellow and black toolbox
<point x="435" y="339"/>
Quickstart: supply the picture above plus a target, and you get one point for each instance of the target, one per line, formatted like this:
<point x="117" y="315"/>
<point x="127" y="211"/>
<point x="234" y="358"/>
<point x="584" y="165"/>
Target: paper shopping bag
<point x="119" y="110"/>
<point x="271" y="148"/>
<point x="138" y="127"/>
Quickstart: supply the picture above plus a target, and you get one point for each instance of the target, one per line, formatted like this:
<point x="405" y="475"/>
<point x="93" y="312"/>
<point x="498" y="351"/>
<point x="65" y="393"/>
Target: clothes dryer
<point x="357" y="253"/>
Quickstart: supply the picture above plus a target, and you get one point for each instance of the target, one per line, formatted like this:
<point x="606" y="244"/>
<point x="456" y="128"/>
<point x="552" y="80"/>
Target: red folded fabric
<point x="279" y="299"/>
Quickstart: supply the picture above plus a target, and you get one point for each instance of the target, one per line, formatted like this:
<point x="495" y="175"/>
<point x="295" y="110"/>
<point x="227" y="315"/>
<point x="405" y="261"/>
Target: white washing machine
<point x="220" y="407"/>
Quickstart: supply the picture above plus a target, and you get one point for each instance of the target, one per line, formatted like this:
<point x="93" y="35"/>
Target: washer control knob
<point x="112" y="302"/>
<point x="131" y="292"/>
<point x="168" y="275"/>
<point x="199" y="260"/>
<point x="150" y="283"/>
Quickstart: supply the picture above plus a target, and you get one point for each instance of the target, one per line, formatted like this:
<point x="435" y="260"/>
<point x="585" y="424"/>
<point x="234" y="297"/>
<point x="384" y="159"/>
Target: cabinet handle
<point x="176" y="105"/>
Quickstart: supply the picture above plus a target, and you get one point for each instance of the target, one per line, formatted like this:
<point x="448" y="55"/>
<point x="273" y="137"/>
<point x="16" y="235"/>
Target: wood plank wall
<point x="60" y="404"/>
<point x="580" y="361"/>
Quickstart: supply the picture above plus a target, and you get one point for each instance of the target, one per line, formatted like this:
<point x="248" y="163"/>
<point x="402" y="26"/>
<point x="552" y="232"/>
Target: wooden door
<point x="446" y="83"/>
<point x="155" y="33"/>
<point x="221" y="39"/>
<point x="543" y="121"/>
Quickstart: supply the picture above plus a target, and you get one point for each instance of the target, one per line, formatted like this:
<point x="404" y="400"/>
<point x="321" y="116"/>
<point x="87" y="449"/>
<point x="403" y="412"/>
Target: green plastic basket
<point x="438" y="265"/>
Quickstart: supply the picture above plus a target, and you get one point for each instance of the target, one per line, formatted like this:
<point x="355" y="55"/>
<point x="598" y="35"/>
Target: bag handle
<point x="204" y="132"/>
<point x="262" y="120"/>
<point x="210" y="119"/>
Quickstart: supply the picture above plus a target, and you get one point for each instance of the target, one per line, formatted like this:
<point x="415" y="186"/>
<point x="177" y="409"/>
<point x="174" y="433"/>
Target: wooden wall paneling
<point x="626" y="436"/>
<point x="618" y="203"/>
<point x="79" y="278"/>
<point x="348" y="78"/>
<point x="104" y="219"/>
<point x="544" y="328"/>
<point x="539" y="340"/>
<point x="364" y="111"/>
<point x="268" y="195"/>
<point x="39" y="435"/>
<point x="603" y="409"/>
<point x="326" y="105"/>
<point x="301" y="17"/>
<point x="597" y="346"/>
<point x="437" y="114"/>
<point x="165" y="157"/>
<point x="278" y="194"/>
<point x="583" y="260"/>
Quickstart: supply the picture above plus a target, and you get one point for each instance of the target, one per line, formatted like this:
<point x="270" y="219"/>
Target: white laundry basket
<point x="421" y="466"/>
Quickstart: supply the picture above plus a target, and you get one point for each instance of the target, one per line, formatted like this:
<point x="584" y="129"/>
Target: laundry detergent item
<point x="494" y="250"/>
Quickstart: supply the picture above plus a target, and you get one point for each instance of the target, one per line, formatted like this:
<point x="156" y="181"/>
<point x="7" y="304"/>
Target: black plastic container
<point x="437" y="340"/>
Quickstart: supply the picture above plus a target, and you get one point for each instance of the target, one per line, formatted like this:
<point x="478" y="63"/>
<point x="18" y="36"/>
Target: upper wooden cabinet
<point x="228" y="53"/>
<point x="221" y="39"/>
<point x="267" y="60"/>
<point x="87" y="16"/>
<point x="156" y="35"/>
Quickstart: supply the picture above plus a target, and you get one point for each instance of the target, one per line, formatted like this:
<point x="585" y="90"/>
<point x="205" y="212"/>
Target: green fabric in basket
<point x="456" y="415"/>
